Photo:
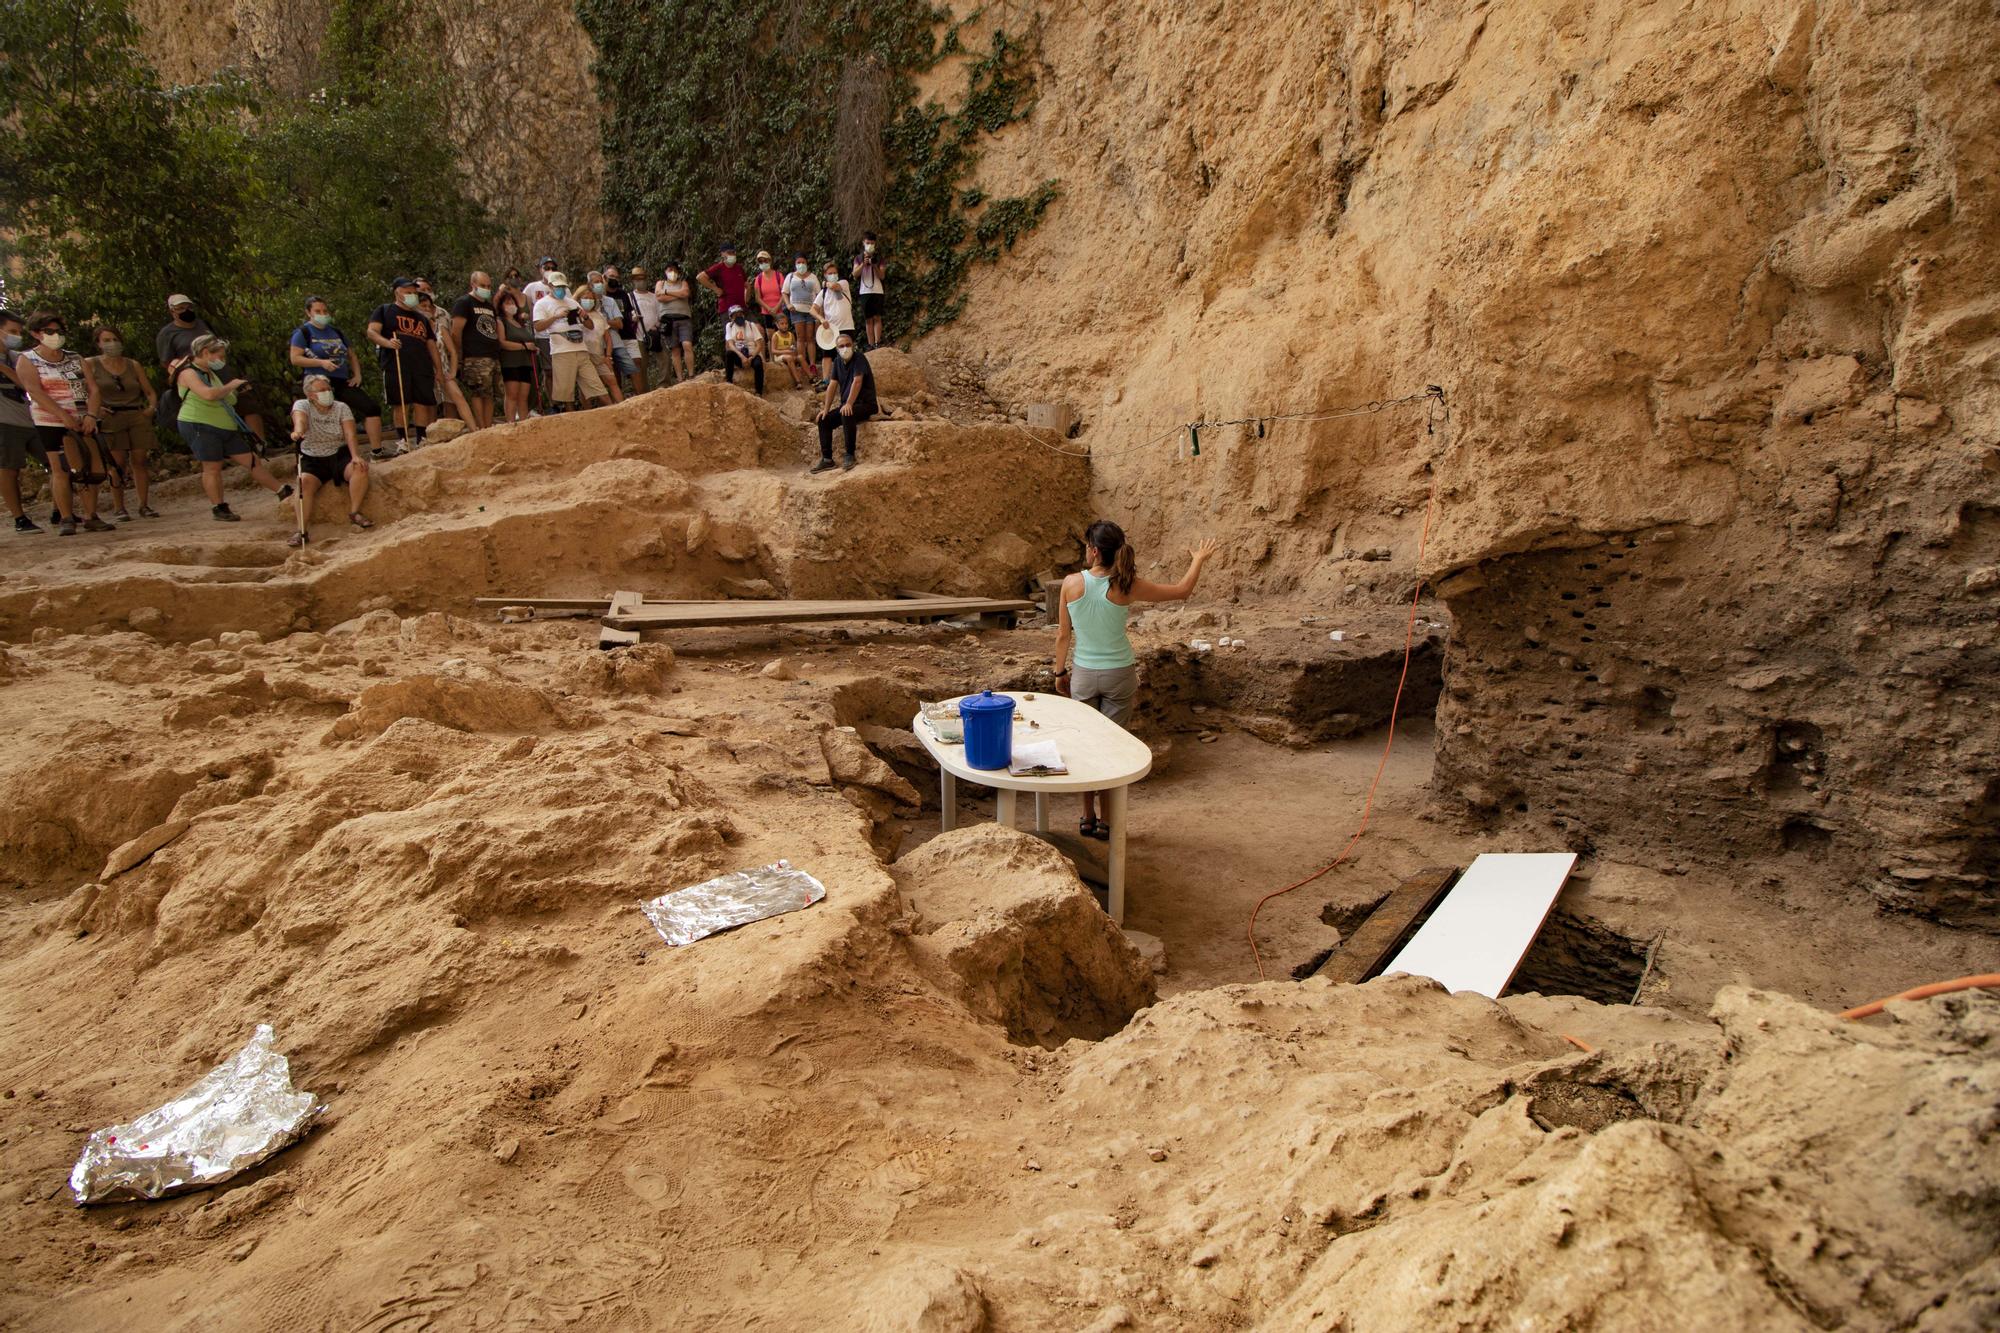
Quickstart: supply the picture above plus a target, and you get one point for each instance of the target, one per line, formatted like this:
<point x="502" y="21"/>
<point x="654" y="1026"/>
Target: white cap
<point x="179" y="300"/>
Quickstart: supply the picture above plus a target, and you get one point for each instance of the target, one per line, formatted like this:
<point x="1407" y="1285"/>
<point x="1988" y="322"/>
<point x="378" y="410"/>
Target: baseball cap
<point x="736" y="310"/>
<point x="555" y="279"/>
<point x="402" y="282"/>
<point x="178" y="300"/>
<point x="763" y="254"/>
<point x="729" y="247"/>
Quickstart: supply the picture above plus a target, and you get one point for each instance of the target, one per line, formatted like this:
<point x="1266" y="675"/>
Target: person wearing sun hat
<point x="571" y="364"/>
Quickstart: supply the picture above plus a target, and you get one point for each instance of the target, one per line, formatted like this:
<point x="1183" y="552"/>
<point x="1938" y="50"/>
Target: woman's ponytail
<point x="1113" y="552"/>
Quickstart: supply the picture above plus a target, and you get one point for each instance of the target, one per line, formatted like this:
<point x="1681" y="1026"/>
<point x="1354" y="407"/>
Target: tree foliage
<point x="124" y="190"/>
<point x="724" y="123"/>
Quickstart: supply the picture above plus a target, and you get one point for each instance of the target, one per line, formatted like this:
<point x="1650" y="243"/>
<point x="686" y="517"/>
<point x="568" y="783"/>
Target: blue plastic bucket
<point x="988" y="719"/>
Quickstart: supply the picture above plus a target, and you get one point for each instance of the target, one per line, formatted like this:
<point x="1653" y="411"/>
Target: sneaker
<point x="222" y="513"/>
<point x="67" y="528"/>
<point x="96" y="524"/>
<point x="824" y="465"/>
<point x="26" y="524"/>
<point x="285" y="492"/>
<point x="122" y="516"/>
<point x="847" y="463"/>
<point x="147" y="511"/>
<point x="296" y="539"/>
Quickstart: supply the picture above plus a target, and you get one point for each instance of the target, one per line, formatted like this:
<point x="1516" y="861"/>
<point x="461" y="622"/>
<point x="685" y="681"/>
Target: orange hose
<point x="1367" y="806"/>
<point x="1979" y="981"/>
<point x="1579" y="1043"/>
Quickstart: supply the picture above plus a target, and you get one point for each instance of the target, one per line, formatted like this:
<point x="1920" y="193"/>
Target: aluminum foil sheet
<point x="731" y="900"/>
<point x="234" y="1116"/>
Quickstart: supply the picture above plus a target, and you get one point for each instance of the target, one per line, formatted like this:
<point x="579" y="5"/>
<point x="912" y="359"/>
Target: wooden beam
<point x="1361" y="955"/>
<point x="611" y="636"/>
<point x="778" y="613"/>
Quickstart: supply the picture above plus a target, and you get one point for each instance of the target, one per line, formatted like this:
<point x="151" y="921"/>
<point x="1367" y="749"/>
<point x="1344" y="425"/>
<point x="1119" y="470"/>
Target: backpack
<point x="167" y="411"/>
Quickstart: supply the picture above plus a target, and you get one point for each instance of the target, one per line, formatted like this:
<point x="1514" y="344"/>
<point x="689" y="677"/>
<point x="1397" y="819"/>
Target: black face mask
<point x="185" y="315"/>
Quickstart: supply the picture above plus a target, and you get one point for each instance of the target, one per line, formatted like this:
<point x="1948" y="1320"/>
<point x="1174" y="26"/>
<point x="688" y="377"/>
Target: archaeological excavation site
<point x="1542" y="871"/>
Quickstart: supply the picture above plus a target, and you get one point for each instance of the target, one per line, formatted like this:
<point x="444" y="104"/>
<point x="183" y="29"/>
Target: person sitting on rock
<point x="850" y="400"/>
<point x="329" y="452"/>
<point x="1095" y="605"/>
<point x="743" y="345"/>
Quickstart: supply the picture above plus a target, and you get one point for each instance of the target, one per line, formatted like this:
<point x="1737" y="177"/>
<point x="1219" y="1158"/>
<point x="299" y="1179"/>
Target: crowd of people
<point x="499" y="352"/>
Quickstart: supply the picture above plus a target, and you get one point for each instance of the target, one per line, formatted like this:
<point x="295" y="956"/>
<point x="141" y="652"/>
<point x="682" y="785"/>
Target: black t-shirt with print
<point x="482" y="328"/>
<point x="414" y="328"/>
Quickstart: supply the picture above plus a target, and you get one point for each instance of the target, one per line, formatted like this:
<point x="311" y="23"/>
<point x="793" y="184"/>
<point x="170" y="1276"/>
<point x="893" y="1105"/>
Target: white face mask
<point x="801" y="269"/>
<point x="52" y="341"/>
<point x="847" y="354"/>
<point x="324" y="397"/>
<point x="833" y="277"/>
<point x="868" y="247"/>
<point x="673" y="276"/>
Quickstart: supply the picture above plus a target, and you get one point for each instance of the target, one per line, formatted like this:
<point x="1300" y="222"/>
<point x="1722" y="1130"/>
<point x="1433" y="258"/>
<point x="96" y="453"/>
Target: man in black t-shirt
<point x="411" y="364"/>
<point x="475" y="335"/>
<point x="850" y="400"/>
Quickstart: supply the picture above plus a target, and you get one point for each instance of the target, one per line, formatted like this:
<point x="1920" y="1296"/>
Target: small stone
<point x="1157" y="1154"/>
<point x="1979" y="580"/>
<point x="506" y="1148"/>
<point x="146" y="618"/>
<point x="1031" y="1165"/>
<point x="779" y="669"/>
<point x="241" y="1252"/>
<point x="1206" y="1256"/>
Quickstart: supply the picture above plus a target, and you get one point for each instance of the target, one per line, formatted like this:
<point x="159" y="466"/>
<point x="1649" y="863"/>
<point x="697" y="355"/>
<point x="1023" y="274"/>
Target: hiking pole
<point x="299" y="486"/>
<point x="402" y="393"/>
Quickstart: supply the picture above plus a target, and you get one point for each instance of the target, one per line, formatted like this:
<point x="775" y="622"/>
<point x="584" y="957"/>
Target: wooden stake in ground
<point x="622" y="603"/>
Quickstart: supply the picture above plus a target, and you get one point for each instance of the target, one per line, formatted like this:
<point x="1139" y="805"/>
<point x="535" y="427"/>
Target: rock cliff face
<point x="521" y="102"/>
<point x="1711" y="291"/>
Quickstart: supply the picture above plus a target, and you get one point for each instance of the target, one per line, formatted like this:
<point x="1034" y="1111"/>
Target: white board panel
<point x="1479" y="933"/>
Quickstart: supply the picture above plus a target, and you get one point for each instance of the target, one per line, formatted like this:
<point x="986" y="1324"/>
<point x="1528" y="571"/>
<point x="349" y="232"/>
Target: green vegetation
<point x="767" y="122"/>
<point x="123" y="190"/>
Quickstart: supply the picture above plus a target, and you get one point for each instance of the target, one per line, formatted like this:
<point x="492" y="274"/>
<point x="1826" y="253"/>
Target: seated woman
<point x="329" y="453"/>
<point x="1095" y="605"/>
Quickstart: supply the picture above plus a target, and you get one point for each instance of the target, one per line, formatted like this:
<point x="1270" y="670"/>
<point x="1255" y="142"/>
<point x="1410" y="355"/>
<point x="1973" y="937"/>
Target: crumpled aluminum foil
<point x="233" y="1117"/>
<point x="731" y="900"/>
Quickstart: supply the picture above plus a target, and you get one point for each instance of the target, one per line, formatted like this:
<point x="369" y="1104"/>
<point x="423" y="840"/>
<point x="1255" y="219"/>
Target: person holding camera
<point x="214" y="432"/>
<point x="572" y="366"/>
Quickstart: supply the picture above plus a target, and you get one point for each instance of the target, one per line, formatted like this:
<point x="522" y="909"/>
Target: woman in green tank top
<point x="1096" y="603"/>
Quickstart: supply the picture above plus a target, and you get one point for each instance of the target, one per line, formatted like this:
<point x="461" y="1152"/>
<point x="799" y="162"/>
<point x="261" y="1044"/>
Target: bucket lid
<point x="986" y="701"/>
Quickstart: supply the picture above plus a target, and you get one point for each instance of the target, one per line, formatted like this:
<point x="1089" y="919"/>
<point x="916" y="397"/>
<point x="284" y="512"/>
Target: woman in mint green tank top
<point x="1096" y="603"/>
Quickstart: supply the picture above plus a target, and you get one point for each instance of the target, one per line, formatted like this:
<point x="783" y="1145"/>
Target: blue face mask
<point x="13" y="341"/>
<point x="561" y="292"/>
<point x="597" y="287"/>
<point x="321" y="321"/>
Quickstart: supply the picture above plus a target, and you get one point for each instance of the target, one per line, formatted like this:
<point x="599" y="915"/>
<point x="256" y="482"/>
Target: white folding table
<point x="1101" y="756"/>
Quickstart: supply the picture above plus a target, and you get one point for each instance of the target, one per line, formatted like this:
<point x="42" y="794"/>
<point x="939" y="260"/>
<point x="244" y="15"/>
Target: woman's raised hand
<point x="1204" y="550"/>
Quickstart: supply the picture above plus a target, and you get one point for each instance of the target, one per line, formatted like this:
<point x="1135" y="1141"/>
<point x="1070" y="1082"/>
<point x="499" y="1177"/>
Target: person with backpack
<point x="319" y="347"/>
<point x="215" y="434"/>
<point x="63" y="404"/>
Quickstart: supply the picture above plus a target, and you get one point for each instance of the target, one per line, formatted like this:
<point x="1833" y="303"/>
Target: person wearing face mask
<point x="475" y="333"/>
<point x="125" y="434"/>
<point x="646" y="305"/>
<point x="571" y="365"/>
<point x="801" y="293"/>
<point x="767" y="293"/>
<point x="18" y="439"/>
<point x="215" y="434"/>
<point x="319" y="346"/>
<point x="329" y="453"/>
<point x="725" y="279"/>
<point x="531" y="294"/>
<point x="677" y="320"/>
<point x="834" y="309"/>
<point x="411" y="364"/>
<point x="517" y="358"/>
<point x="618" y="365"/>
<point x="449" y="401"/>
<point x="598" y="337"/>
<point x="177" y="335"/>
<point x="743" y="345"/>
<point x="62" y="401"/>
<point x="869" y="269"/>
<point x="850" y="400"/>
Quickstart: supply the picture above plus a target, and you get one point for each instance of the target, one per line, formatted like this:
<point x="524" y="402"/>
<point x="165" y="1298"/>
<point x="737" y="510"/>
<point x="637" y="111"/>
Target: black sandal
<point x="1099" y="830"/>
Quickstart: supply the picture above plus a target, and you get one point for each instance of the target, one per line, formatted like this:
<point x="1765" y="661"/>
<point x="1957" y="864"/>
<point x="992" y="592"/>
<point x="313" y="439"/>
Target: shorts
<point x="358" y="402"/>
<point x="570" y="370"/>
<point x="622" y="358"/>
<point x="332" y="469"/>
<point x="679" y="329"/>
<point x="420" y="381"/>
<point x="872" y="304"/>
<point x="1110" y="691"/>
<point x="51" y="439"/>
<point x="126" y="431"/>
<point x="16" y="444"/>
<point x="517" y="374"/>
<point x="214" y="444"/>
<point x="479" y="375"/>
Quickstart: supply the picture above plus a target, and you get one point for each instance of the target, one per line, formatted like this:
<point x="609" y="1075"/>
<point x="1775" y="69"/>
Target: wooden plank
<point x="924" y="596"/>
<point x="1479" y="933"/>
<point x="588" y="603"/>
<point x="1360" y="955"/>
<point x="767" y="613"/>
<point x="611" y="636"/>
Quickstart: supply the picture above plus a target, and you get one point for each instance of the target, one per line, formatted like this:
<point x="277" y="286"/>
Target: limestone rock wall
<point x="1711" y="289"/>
